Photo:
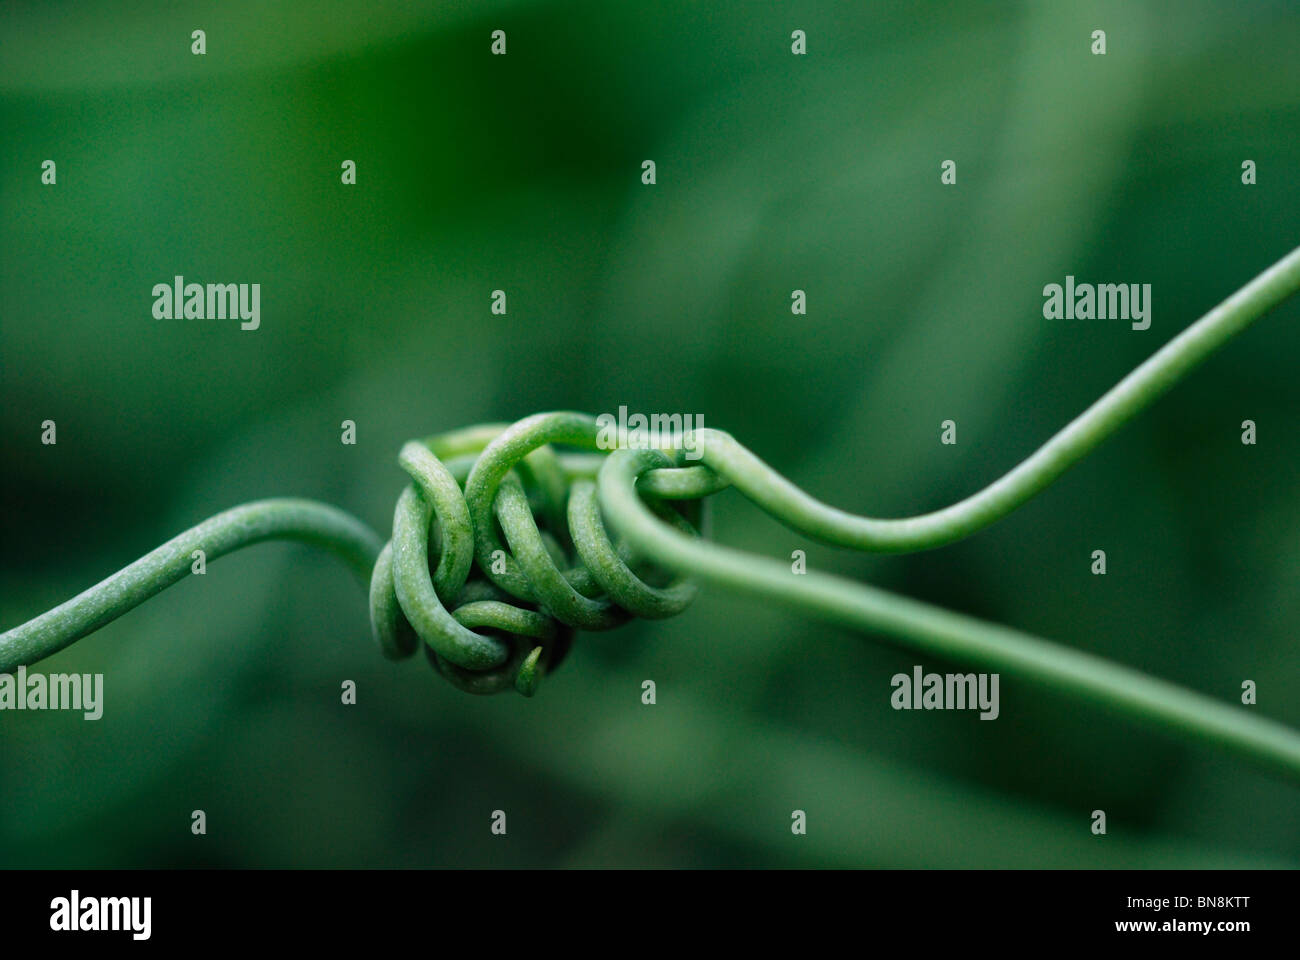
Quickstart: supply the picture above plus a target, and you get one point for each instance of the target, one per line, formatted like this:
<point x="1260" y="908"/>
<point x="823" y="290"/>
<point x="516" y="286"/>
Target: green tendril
<point x="304" y="521"/>
<point x="503" y="545"/>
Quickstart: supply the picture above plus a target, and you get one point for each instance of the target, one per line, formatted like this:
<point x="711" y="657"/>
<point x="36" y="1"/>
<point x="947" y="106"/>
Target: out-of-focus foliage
<point x="522" y="173"/>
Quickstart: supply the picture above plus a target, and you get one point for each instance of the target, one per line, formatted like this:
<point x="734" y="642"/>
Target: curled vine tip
<point x="529" y="673"/>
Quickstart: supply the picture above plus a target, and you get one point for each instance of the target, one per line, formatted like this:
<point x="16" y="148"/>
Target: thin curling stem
<point x="778" y="496"/>
<point x="928" y="628"/>
<point x="597" y="589"/>
<point x="305" y="521"/>
<point x="936" y="631"/>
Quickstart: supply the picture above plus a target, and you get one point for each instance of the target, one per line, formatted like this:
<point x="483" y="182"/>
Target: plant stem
<point x="627" y="475"/>
<point x="936" y="631"/>
<point x="778" y="496"/>
<point x="932" y="629"/>
<point x="305" y="521"/>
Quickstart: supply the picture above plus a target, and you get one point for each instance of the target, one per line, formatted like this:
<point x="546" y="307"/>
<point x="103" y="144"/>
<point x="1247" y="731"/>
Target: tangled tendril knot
<point x="500" y="549"/>
<point x="499" y="553"/>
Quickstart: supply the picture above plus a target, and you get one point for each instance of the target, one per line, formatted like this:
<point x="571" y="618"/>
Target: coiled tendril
<point x="499" y="553"/>
<point x="500" y="550"/>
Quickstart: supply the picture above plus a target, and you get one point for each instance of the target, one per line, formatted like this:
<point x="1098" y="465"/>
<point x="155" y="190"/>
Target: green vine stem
<point x="532" y="543"/>
<point x="767" y="488"/>
<point x="305" y="521"/>
<point x="936" y="631"/>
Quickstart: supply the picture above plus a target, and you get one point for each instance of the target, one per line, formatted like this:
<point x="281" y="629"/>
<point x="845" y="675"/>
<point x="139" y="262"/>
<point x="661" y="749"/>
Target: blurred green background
<point x="522" y="172"/>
